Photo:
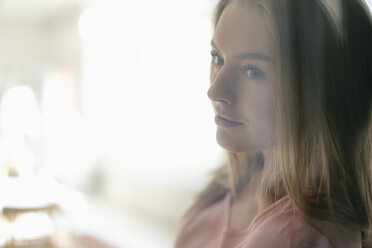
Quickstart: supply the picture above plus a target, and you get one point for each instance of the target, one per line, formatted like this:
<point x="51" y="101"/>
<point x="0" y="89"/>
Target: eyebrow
<point x="253" y="55"/>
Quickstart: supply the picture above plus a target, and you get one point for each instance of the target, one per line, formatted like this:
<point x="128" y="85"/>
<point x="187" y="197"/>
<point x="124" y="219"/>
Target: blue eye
<point x="216" y="58"/>
<point x="253" y="72"/>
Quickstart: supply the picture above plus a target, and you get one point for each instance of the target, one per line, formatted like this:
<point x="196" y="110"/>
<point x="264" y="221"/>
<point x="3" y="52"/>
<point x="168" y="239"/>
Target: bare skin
<point x="242" y="91"/>
<point x="251" y="201"/>
<point x="243" y="79"/>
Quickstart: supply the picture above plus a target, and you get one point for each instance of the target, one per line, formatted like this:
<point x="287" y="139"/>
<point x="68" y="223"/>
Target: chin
<point x="232" y="145"/>
<point x="239" y="144"/>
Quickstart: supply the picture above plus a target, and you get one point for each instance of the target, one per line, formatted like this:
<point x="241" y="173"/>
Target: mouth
<point x="223" y="122"/>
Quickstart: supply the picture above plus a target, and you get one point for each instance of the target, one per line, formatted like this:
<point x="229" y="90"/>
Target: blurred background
<point x="106" y="130"/>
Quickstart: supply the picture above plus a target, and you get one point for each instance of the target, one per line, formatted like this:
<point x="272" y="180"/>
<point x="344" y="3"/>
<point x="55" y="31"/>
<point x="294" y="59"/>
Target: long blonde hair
<point x="323" y="115"/>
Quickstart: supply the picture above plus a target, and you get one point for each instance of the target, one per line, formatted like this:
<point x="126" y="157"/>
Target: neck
<point x="255" y="188"/>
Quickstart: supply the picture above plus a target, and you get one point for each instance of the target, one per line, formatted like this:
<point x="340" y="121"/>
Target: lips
<point x="224" y="122"/>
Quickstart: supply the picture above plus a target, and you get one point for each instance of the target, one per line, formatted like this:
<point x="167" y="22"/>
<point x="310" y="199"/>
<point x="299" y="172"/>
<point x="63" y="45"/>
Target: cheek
<point x="257" y="105"/>
<point x="265" y="121"/>
<point x="265" y="110"/>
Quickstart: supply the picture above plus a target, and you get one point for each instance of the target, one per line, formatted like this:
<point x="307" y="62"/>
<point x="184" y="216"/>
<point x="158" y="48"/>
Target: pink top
<point x="279" y="225"/>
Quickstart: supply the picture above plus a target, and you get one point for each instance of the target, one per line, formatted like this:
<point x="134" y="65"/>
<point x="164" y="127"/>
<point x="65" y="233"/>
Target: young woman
<point x="291" y="86"/>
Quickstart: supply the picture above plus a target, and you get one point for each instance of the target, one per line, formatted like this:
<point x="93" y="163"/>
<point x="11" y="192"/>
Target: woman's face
<point x="242" y="80"/>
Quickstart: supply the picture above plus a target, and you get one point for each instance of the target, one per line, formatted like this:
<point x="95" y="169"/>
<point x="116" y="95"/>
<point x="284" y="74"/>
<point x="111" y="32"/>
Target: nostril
<point x="209" y="93"/>
<point x="218" y="93"/>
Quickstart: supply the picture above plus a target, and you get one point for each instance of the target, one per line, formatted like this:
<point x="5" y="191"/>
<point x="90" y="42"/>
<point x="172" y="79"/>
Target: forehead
<point x="242" y="28"/>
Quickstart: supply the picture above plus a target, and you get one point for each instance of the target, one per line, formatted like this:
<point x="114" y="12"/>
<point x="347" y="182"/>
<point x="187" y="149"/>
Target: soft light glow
<point x="20" y="113"/>
<point x="112" y="18"/>
<point x="32" y="226"/>
<point x="20" y="116"/>
<point x="66" y="144"/>
<point x="36" y="192"/>
<point x="145" y="93"/>
<point x="100" y="21"/>
<point x="4" y="231"/>
<point x="21" y="156"/>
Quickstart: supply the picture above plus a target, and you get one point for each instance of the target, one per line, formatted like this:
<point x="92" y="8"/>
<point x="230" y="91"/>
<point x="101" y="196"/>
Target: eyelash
<point x="261" y="74"/>
<point x="214" y="56"/>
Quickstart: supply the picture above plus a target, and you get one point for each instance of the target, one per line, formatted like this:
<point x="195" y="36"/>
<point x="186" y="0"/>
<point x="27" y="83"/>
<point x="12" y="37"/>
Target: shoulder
<point x="271" y="228"/>
<point x="309" y="232"/>
<point x="284" y="225"/>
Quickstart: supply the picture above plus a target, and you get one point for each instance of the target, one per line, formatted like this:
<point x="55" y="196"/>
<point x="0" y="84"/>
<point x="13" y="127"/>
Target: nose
<point x="221" y="89"/>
